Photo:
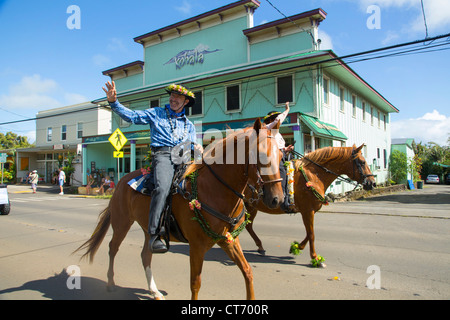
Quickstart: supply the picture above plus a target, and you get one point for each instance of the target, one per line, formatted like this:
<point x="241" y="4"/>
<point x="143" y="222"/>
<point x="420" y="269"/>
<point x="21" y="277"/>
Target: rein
<point x="338" y="176"/>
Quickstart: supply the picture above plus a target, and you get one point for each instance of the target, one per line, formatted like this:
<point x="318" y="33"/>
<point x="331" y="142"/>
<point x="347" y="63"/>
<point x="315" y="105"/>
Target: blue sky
<point x="44" y="64"/>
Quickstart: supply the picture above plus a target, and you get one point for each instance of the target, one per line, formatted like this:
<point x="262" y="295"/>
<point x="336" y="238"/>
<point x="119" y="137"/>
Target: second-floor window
<point x="49" y="134"/>
<point x="284" y="89"/>
<point x="233" y="98"/>
<point x="63" y="132"/>
<point x="79" y="130"/>
<point x="197" y="108"/>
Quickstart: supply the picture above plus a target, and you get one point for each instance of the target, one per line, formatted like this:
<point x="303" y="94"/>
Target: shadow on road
<point x="413" y="197"/>
<point x="55" y="288"/>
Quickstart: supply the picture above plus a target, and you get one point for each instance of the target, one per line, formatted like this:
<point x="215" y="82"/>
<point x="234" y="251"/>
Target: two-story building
<point x="59" y="132"/>
<point x="240" y="72"/>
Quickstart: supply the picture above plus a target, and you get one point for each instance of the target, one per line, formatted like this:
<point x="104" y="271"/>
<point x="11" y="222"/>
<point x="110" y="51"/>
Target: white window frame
<point x="63" y="132"/>
<point x="49" y="134"/>
<point x="79" y="137"/>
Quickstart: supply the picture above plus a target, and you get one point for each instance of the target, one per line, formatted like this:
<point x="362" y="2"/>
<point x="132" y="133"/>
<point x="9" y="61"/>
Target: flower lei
<point x="309" y="185"/>
<point x="295" y="250"/>
<point x="290" y="178"/>
<point x="196" y="206"/>
<point x="180" y="89"/>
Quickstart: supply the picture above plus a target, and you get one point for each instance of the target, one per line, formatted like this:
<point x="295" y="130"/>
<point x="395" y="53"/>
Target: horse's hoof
<point x="111" y="288"/>
<point x="262" y="252"/>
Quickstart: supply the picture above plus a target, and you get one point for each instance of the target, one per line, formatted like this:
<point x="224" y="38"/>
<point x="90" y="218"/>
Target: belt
<point x="156" y="149"/>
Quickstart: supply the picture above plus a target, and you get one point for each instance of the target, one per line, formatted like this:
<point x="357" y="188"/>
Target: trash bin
<point x="420" y="184"/>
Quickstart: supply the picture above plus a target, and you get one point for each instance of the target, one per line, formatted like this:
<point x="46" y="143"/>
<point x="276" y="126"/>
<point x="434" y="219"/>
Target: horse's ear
<point x="357" y="150"/>
<point x="257" y="125"/>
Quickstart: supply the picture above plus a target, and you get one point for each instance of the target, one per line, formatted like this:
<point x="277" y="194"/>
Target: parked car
<point x="447" y="178"/>
<point x="432" y="178"/>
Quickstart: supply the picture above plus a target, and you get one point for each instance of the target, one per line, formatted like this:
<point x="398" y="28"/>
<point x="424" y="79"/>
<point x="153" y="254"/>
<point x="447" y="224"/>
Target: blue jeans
<point x="163" y="170"/>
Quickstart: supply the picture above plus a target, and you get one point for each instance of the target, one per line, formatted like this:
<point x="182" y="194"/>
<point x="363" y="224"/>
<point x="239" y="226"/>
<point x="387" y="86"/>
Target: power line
<point x="424" y="20"/>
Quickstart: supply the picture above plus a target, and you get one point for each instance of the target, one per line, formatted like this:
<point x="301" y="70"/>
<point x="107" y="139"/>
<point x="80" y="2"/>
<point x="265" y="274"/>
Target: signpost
<point x="118" y="140"/>
<point x="2" y="161"/>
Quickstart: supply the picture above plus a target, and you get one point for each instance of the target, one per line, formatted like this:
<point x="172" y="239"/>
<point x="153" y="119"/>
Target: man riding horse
<point x="169" y="127"/>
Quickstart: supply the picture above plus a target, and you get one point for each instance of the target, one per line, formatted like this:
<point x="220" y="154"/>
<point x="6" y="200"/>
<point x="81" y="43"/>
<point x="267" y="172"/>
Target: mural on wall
<point x="191" y="56"/>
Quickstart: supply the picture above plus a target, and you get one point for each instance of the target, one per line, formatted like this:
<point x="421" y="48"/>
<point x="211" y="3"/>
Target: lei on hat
<point x="180" y="90"/>
<point x="270" y="115"/>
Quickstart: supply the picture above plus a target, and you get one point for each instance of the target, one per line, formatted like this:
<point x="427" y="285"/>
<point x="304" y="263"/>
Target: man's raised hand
<point x="111" y="93"/>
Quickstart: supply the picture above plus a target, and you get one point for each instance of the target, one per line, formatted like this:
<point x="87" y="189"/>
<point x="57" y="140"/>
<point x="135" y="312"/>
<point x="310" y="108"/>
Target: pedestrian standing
<point x="33" y="177"/>
<point x="62" y="180"/>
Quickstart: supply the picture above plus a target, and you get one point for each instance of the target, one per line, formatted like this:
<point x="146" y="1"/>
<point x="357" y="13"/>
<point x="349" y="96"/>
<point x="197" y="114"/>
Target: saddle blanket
<point x="139" y="183"/>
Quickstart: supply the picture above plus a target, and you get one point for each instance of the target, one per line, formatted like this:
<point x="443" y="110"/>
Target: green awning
<point x="321" y="128"/>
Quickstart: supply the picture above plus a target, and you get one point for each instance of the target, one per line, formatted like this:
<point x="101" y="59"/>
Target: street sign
<point x="2" y="157"/>
<point x="118" y="154"/>
<point x="117" y="139"/>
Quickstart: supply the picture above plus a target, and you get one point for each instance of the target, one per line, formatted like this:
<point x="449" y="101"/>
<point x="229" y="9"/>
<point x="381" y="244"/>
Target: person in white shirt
<point x="271" y="120"/>
<point x="34" y="178"/>
<point x="62" y="180"/>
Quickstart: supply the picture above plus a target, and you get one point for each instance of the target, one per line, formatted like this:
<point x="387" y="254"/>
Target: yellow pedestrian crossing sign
<point x="118" y="154"/>
<point x="118" y="139"/>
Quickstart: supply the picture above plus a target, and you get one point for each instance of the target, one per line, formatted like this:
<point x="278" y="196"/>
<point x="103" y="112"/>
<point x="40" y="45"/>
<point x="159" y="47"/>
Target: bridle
<point x="357" y="164"/>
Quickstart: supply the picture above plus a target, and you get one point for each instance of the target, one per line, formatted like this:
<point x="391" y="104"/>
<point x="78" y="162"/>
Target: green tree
<point x="398" y="166"/>
<point x="12" y="140"/>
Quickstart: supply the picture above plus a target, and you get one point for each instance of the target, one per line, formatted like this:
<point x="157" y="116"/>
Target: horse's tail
<point x="94" y="242"/>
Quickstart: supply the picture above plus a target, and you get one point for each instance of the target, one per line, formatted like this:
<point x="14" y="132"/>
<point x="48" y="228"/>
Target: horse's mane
<point x="218" y="144"/>
<point x="323" y="156"/>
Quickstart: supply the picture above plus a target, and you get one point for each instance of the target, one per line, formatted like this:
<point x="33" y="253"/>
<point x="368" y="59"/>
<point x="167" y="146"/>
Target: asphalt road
<point x="402" y="241"/>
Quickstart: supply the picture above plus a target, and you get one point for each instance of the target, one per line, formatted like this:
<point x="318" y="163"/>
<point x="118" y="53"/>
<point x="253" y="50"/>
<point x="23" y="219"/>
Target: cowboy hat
<point x="178" y="89"/>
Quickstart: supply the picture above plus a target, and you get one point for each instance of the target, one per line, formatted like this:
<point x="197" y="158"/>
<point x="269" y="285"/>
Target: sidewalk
<point x="433" y="201"/>
<point x="26" y="188"/>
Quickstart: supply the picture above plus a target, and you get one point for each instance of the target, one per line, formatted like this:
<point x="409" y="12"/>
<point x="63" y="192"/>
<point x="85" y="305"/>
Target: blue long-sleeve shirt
<point x="161" y="133"/>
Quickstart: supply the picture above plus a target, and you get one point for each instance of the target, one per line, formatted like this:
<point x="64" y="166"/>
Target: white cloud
<point x="101" y="60"/>
<point x="437" y="13"/>
<point x="184" y="8"/>
<point x="37" y="93"/>
<point x="431" y="127"/>
<point x="326" y="41"/>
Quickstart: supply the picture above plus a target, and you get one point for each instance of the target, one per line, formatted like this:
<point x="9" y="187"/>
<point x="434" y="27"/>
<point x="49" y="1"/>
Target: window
<point x="233" y="98"/>
<point x="385" y="158"/>
<point x="384" y="122"/>
<point x="154" y="103"/>
<point x="49" y="134"/>
<point x="325" y="90"/>
<point x="354" y="106"/>
<point x="371" y="115"/>
<point x="379" y="119"/>
<point x="342" y="98"/>
<point x="63" y="132"/>
<point x="364" y="111"/>
<point x="284" y="89"/>
<point x="79" y="130"/>
<point x="197" y="108"/>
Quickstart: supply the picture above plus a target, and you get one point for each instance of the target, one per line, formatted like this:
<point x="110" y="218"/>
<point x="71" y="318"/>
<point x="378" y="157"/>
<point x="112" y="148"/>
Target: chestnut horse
<point x="219" y="188"/>
<point x="321" y="168"/>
